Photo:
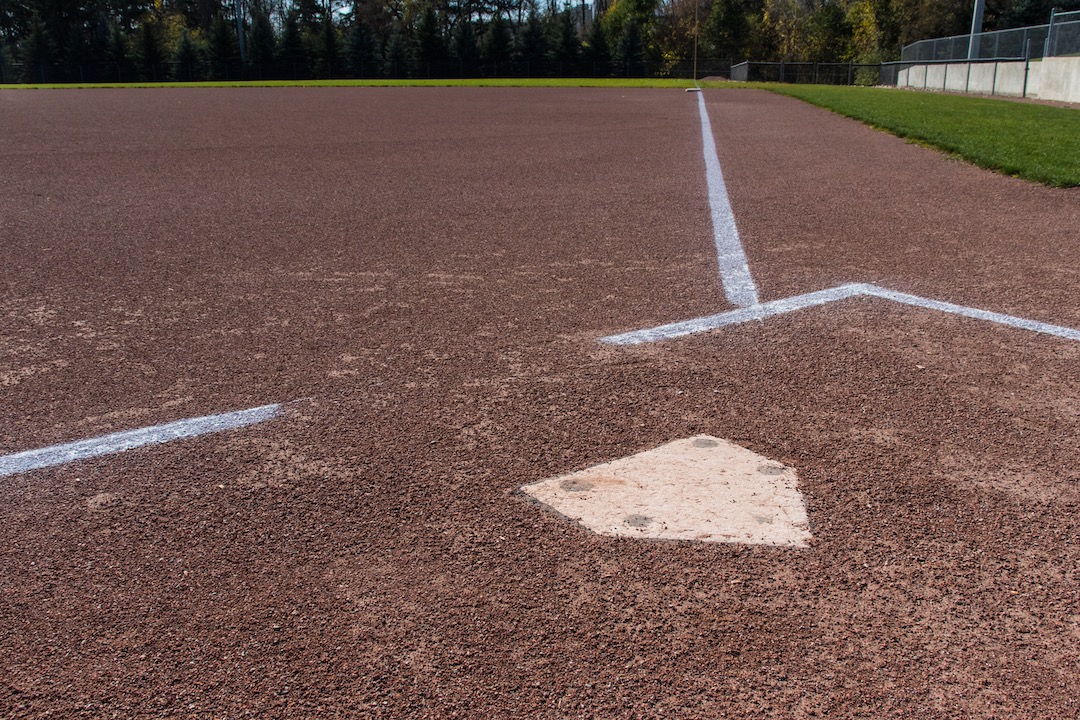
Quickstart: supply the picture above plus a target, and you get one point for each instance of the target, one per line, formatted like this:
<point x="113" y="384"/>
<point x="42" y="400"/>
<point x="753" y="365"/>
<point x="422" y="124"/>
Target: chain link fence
<point x="132" y="72"/>
<point x="1061" y="36"/>
<point x="809" y="73"/>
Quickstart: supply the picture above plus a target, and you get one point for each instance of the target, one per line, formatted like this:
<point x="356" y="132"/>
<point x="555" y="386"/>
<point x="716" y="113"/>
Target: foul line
<point x="130" y="439"/>
<point x="821" y="297"/>
<point x="740" y="290"/>
<point x="739" y="287"/>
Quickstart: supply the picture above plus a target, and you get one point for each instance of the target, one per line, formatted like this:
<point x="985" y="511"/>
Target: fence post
<point x="1027" y="65"/>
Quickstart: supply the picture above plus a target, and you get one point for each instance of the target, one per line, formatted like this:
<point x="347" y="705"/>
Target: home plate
<point x="703" y="489"/>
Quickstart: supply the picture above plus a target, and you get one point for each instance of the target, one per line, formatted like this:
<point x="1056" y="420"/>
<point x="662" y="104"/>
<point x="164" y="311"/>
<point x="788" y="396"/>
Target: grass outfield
<point x="1035" y="142"/>
<point x="1031" y="141"/>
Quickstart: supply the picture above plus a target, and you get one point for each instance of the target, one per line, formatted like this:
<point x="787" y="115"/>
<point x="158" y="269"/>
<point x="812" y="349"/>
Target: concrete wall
<point x="1054" y="78"/>
<point x="1060" y="79"/>
<point x="983" y="78"/>
<point x="1010" y="78"/>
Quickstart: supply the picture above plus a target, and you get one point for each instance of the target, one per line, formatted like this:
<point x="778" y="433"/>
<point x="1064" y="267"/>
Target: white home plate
<point x="701" y="488"/>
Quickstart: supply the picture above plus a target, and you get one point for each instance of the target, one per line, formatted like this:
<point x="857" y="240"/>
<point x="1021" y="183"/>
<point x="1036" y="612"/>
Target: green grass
<point x="493" y="82"/>
<point x="1034" y="142"/>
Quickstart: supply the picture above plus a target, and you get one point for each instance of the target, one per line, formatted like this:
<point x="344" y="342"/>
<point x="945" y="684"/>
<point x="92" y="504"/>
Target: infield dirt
<point x="424" y="275"/>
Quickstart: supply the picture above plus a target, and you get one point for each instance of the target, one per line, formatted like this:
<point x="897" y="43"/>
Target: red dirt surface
<point x="426" y="273"/>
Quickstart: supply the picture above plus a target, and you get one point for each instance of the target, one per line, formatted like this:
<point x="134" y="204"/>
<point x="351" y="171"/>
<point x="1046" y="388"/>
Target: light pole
<point x="976" y="29"/>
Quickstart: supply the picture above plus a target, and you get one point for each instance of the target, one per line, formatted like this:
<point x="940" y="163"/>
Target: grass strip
<point x="1026" y="140"/>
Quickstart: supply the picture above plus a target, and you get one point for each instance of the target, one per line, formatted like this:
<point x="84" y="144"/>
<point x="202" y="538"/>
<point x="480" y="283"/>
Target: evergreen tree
<point x="186" y="59"/>
<point x="38" y="54"/>
<point x="495" y="47"/>
<point x="329" y="48"/>
<point x="597" y="51"/>
<point x="429" y="45"/>
<point x="260" y="48"/>
<point x="464" y="47"/>
<point x="222" y="47"/>
<point x="361" y="53"/>
<point x="149" y="50"/>
<point x="308" y="13"/>
<point x="565" y="48"/>
<point x="291" y="49"/>
<point x="116" y="46"/>
<point x="396" y="57"/>
<point x="630" y="53"/>
<point x="532" y="46"/>
<point x="7" y="74"/>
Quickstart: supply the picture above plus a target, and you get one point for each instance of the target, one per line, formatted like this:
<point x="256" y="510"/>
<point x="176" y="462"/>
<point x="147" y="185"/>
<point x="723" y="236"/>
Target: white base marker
<point x="130" y="439"/>
<point x="822" y="297"/>
<point x="700" y="489"/>
<point x="739" y="287"/>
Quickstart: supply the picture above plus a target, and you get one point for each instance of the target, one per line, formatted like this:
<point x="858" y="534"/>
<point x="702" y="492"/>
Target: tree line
<point x="47" y="40"/>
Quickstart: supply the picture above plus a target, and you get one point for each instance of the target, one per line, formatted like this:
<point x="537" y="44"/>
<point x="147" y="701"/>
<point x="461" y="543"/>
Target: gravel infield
<point x="422" y="275"/>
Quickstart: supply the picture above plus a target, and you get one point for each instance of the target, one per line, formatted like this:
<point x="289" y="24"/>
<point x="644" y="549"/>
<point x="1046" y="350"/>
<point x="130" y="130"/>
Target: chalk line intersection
<point x="741" y="291"/>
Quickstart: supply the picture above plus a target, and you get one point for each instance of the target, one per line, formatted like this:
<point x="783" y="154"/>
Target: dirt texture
<point x="423" y="275"/>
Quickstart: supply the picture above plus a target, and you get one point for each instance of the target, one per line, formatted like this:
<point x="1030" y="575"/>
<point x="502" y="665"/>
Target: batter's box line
<point x="761" y="311"/>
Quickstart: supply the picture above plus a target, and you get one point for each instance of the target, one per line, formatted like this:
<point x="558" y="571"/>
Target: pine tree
<point x="329" y="47"/>
<point x="495" y="47"/>
<point x="222" y="48"/>
<point x="532" y="46"/>
<point x="565" y="48"/>
<point x="630" y="54"/>
<point x="429" y="48"/>
<point x="186" y="59"/>
<point x="7" y="63"/>
<point x="464" y="47"/>
<point x="309" y="14"/>
<point x="360" y="51"/>
<point x="291" y="49"/>
<point x="597" y="51"/>
<point x="38" y="54"/>
<point x="149" y="50"/>
<point x="260" y="49"/>
<point x="116" y="47"/>
<point x="396" y="57"/>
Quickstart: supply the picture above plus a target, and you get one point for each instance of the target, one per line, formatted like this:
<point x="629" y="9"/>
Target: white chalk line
<point x="740" y="290"/>
<point x="822" y="297"/>
<point x="739" y="287"/>
<point x="130" y="439"/>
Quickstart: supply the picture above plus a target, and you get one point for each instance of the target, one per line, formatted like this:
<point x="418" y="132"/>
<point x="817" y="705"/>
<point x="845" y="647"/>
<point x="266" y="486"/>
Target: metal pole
<point x="1048" y="49"/>
<point x="1027" y="65"/>
<point x="976" y="28"/>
